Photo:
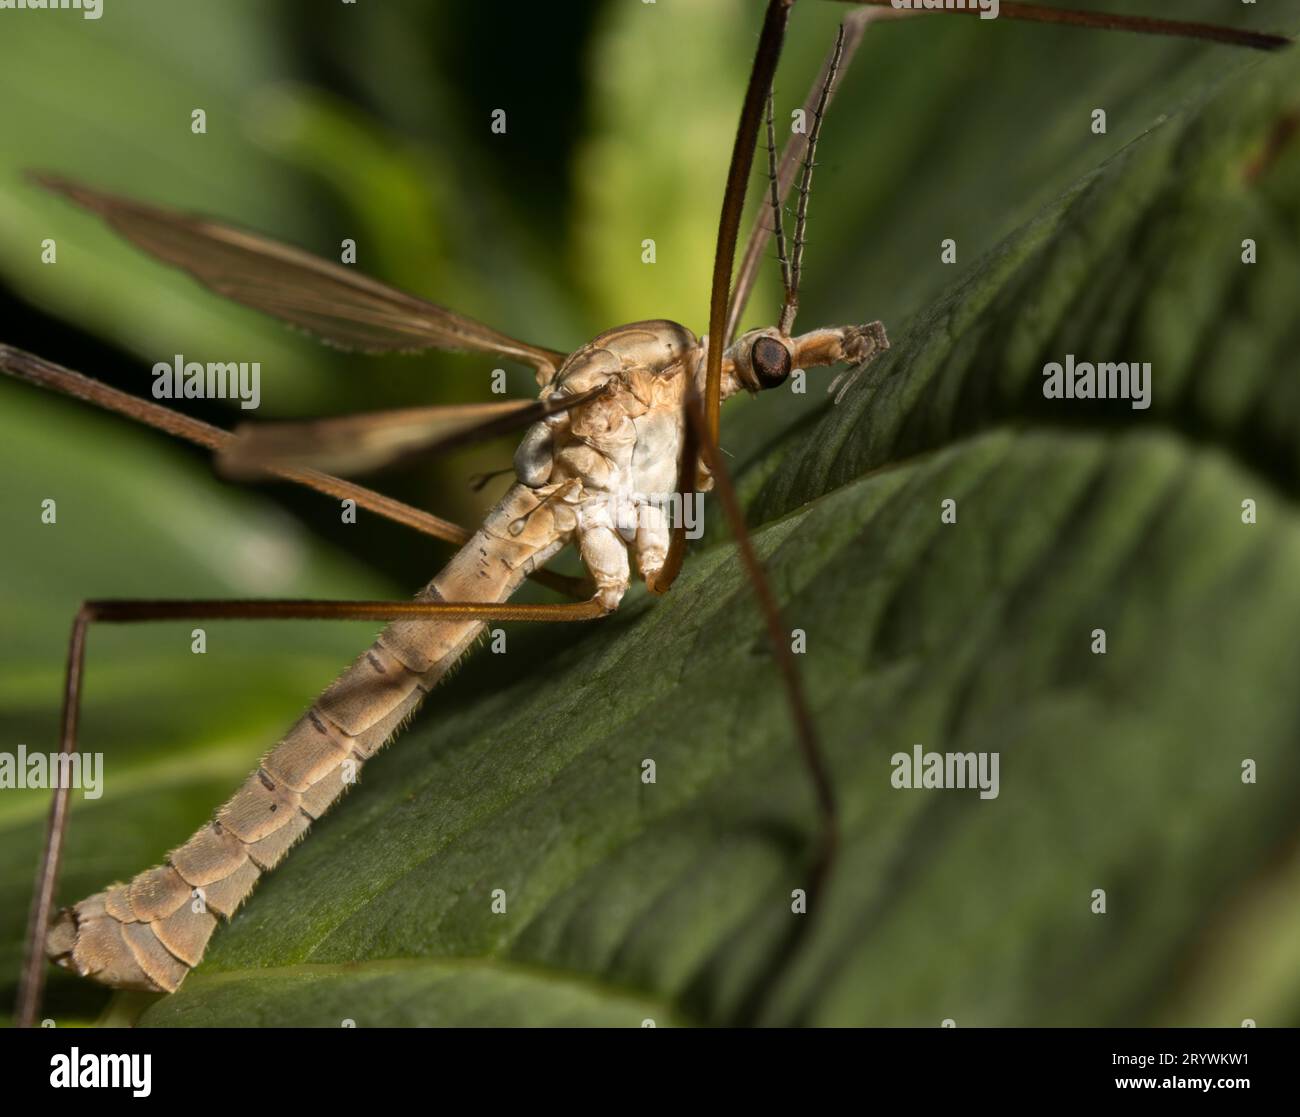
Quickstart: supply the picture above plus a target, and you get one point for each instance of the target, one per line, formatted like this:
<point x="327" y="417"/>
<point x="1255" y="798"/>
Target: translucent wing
<point x="356" y="443"/>
<point x="333" y="302"/>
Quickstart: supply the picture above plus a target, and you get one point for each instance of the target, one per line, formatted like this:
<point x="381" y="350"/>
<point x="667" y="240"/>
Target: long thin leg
<point x="733" y="197"/>
<point x="809" y="746"/>
<point x="1104" y="21"/>
<point x="702" y="423"/>
<point x="873" y="10"/>
<point x="733" y="203"/>
<point x="32" y="982"/>
<point x="45" y="374"/>
<point x="810" y="750"/>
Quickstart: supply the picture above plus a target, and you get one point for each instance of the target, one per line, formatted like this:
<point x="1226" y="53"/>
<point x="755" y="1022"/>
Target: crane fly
<point x="621" y="422"/>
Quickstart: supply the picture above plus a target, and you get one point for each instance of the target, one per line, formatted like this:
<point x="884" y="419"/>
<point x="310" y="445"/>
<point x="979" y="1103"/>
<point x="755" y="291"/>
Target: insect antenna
<point x="855" y="24"/>
<point x="774" y="200"/>
<point x="792" y="277"/>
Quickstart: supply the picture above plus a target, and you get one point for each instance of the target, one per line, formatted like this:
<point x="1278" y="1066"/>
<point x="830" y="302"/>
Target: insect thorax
<point x="653" y="347"/>
<point x="630" y="437"/>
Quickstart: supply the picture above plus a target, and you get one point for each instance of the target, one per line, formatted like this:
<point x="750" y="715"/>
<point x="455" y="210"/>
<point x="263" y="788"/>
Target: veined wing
<point x="355" y="444"/>
<point x="334" y="302"/>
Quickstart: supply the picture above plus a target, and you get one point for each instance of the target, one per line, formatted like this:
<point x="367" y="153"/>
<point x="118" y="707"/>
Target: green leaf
<point x="161" y="62"/>
<point x="416" y="993"/>
<point x="277" y="157"/>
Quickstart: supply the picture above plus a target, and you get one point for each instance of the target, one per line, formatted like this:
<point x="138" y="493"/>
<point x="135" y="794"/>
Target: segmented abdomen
<point x="149" y="932"/>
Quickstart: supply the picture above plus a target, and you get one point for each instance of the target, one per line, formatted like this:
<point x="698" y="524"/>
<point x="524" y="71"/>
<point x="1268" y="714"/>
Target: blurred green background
<point x="372" y="121"/>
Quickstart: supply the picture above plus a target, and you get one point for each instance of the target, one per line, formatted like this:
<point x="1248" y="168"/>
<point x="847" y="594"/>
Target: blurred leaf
<point x="268" y="137"/>
<point x="1120" y="771"/>
<point x="668" y="79"/>
<point x="161" y="62"/>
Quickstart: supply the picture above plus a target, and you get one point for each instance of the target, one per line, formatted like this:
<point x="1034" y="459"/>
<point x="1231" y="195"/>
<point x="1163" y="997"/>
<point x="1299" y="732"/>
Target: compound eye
<point x="771" y="362"/>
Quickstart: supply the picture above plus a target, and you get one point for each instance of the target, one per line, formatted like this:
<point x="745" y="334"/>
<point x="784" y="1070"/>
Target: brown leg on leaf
<point x="32" y="982"/>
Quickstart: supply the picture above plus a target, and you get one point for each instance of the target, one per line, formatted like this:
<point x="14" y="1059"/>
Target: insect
<point x="622" y="421"/>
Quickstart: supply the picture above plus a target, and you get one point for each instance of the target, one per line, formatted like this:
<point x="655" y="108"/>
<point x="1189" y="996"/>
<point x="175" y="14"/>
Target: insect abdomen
<point x="148" y="933"/>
